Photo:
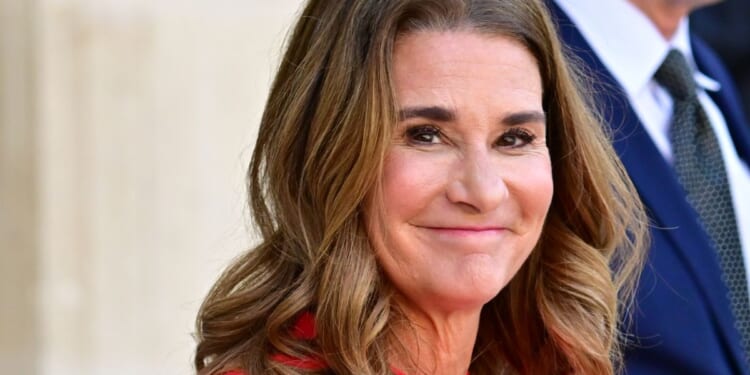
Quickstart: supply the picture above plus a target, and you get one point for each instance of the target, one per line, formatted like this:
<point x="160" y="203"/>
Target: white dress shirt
<point x="632" y="48"/>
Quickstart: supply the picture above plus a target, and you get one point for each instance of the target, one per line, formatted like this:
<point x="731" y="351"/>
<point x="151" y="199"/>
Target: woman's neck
<point x="435" y="343"/>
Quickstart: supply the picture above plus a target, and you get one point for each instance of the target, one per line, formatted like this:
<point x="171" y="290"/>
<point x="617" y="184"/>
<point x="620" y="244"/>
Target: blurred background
<point x="726" y="28"/>
<point x="125" y="128"/>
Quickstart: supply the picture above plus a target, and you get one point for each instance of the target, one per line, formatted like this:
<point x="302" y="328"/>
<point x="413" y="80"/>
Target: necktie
<point x="700" y="169"/>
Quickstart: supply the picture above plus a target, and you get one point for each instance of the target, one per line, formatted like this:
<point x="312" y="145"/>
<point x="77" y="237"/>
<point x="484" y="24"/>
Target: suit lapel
<point x="656" y="182"/>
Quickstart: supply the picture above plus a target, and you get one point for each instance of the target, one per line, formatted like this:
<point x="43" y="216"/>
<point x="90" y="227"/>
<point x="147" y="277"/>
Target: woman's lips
<point x="465" y="231"/>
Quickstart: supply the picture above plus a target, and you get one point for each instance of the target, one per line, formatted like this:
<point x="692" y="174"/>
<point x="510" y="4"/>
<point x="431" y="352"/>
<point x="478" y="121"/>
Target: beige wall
<point x="124" y="132"/>
<point x="19" y="218"/>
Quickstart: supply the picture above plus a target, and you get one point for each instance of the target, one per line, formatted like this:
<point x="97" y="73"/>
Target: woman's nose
<point x="479" y="183"/>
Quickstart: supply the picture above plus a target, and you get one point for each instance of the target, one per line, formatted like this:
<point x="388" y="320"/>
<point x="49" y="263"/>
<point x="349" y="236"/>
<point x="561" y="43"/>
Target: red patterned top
<point x="304" y="329"/>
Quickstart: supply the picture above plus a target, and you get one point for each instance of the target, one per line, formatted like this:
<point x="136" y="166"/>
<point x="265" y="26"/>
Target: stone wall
<point x="125" y="129"/>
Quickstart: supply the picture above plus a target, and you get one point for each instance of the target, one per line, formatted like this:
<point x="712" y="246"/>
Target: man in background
<point x="678" y="127"/>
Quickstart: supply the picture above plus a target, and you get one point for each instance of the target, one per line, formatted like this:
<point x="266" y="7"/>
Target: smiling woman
<point x="434" y="197"/>
<point x="466" y="180"/>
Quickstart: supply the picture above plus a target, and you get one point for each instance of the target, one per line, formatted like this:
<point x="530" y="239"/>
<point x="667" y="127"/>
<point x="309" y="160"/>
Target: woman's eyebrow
<point x="442" y="114"/>
<point x="524" y="117"/>
<point x="434" y="113"/>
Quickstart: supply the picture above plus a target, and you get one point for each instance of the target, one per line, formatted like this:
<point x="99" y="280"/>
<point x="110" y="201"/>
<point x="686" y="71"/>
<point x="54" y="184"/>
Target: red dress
<point x="304" y="329"/>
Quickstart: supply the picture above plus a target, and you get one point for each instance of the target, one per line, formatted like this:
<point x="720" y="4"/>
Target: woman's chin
<point x="456" y="298"/>
<point x="474" y="289"/>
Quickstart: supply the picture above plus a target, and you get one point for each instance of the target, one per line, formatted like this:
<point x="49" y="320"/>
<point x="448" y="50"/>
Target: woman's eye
<point x="514" y="138"/>
<point x="423" y="135"/>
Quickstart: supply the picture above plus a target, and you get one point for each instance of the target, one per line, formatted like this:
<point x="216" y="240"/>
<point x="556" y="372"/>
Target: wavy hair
<point x="319" y="152"/>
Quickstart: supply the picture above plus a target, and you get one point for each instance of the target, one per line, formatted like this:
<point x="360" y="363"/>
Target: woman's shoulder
<point x="234" y="372"/>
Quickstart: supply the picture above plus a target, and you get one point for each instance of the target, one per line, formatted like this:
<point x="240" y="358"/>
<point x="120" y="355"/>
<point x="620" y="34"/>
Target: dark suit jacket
<point x="682" y="322"/>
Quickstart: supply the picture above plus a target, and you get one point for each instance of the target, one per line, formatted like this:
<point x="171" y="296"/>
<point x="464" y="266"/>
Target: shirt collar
<point x="681" y="42"/>
<point x="630" y="45"/>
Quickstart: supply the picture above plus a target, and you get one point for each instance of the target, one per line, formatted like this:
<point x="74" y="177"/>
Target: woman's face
<point x="467" y="180"/>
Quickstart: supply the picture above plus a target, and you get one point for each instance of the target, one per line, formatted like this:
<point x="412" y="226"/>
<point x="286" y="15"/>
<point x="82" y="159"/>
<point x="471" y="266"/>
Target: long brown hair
<point x="319" y="153"/>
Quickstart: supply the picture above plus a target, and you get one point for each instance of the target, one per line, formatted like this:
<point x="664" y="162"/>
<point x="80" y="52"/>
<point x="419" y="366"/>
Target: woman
<point x="403" y="182"/>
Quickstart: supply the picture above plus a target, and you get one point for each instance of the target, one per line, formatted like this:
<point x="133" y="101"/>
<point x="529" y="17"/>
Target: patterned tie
<point x="700" y="169"/>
